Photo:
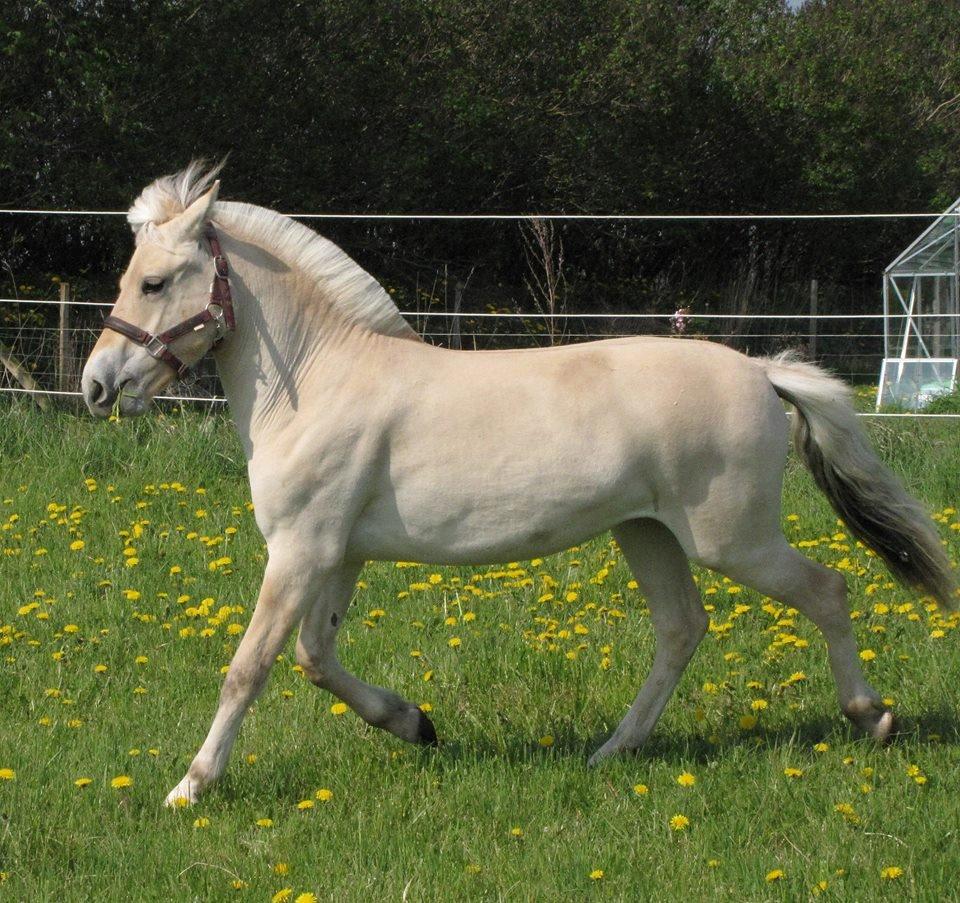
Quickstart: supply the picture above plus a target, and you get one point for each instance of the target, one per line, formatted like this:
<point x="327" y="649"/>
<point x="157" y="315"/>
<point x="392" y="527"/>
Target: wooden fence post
<point x="455" y="341"/>
<point x="64" y="342"/>
<point x="813" y="319"/>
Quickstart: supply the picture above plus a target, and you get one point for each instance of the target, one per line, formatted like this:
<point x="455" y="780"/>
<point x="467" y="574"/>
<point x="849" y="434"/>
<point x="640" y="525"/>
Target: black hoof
<point x="427" y="734"/>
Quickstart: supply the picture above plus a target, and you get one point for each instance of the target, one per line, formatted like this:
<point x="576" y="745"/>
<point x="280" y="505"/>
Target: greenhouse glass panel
<point x="921" y="306"/>
<point x="913" y="384"/>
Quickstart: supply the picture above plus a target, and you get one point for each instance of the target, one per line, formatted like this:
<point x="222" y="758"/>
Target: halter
<point x="219" y="309"/>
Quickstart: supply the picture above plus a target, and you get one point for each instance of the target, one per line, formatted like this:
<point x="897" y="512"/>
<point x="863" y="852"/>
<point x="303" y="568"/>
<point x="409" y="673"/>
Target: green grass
<point x="437" y="824"/>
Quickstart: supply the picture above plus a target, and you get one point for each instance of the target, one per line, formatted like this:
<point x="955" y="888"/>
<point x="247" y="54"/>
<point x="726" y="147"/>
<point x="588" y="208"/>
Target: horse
<point x="365" y="443"/>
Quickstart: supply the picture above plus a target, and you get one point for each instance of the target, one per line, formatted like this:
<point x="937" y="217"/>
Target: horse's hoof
<point x="884" y="727"/>
<point x="871" y="717"/>
<point x="426" y="733"/>
<point x="608" y="750"/>
<point x="184" y="794"/>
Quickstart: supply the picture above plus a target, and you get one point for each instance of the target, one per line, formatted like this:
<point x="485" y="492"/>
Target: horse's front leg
<point x="317" y="655"/>
<point x="287" y="590"/>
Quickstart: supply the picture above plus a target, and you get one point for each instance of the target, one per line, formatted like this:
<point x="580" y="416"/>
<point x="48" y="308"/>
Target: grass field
<point x="130" y="563"/>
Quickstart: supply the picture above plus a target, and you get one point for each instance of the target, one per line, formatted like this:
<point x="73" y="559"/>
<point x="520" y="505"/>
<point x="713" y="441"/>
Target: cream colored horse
<point x="365" y="443"/>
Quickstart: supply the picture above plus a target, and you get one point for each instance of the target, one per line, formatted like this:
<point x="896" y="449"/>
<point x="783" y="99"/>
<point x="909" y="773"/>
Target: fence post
<point x="455" y="341"/>
<point x="813" y="319"/>
<point x="64" y="343"/>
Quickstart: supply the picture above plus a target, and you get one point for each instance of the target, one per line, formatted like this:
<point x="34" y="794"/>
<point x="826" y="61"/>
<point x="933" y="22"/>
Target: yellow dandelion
<point x="685" y="779"/>
<point x="324" y="795"/>
<point x="848" y="812"/>
<point x="264" y="823"/>
<point x="640" y="789"/>
<point x="202" y="822"/>
<point x="679" y="822"/>
<point x="453" y="642"/>
<point x="281" y="896"/>
<point x="281" y="868"/>
<point x="596" y="874"/>
<point x="7" y="774"/>
<point x="776" y="875"/>
<point x="793" y="772"/>
<point x="891" y="872"/>
<point x="121" y="781"/>
<point x="546" y="740"/>
<point x="338" y="708"/>
<point x="77" y="545"/>
<point x="306" y="898"/>
<point x="868" y="655"/>
<point x="304" y="805"/>
<point x="82" y="782"/>
<point x="516" y="832"/>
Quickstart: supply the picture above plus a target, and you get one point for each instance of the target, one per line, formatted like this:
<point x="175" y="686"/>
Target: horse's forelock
<point x="169" y="196"/>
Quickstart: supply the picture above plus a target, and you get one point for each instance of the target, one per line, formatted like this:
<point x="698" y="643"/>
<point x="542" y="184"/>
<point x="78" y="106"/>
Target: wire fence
<point x="45" y="341"/>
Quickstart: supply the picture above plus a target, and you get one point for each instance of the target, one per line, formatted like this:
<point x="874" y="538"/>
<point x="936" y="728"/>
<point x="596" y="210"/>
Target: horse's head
<point x="167" y="282"/>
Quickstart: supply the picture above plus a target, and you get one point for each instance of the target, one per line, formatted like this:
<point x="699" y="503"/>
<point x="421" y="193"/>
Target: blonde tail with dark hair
<point x="869" y="498"/>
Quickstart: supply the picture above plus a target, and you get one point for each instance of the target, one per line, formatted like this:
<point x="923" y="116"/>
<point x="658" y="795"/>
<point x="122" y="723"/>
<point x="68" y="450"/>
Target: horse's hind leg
<point x="317" y="655"/>
<point x="679" y="623"/>
<point x="777" y="570"/>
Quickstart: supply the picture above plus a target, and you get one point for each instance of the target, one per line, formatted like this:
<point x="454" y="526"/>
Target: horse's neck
<point x="286" y="340"/>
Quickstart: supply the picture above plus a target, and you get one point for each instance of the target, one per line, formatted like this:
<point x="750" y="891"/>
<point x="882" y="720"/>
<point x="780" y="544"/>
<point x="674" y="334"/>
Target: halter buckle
<point x="155" y="347"/>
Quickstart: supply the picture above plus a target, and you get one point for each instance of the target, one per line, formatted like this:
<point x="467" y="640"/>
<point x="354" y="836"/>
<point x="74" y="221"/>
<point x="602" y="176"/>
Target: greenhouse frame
<point x="921" y="341"/>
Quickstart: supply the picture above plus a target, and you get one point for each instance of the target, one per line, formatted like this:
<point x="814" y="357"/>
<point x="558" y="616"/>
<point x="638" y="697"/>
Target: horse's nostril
<point x="98" y="393"/>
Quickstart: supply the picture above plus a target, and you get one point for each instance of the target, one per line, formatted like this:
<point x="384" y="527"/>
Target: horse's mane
<point x="352" y="290"/>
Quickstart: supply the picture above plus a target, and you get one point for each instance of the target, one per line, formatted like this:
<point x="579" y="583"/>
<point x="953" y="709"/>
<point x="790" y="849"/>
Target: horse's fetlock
<point x="860" y="706"/>
<point x="200" y="774"/>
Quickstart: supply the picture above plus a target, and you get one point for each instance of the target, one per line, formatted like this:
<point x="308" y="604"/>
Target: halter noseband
<point x="219" y="309"/>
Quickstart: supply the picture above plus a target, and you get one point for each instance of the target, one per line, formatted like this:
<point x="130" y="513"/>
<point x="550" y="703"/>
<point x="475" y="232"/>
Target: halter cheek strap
<point x="219" y="310"/>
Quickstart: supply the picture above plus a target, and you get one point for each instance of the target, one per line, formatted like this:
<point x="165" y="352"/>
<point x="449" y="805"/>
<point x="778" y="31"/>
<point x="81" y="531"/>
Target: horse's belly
<point x="485" y="529"/>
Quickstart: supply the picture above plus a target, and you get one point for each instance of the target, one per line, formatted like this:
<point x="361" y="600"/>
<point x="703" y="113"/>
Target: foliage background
<point x="538" y="105"/>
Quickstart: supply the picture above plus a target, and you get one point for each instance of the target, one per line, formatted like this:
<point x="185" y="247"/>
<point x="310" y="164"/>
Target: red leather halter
<point x="219" y="309"/>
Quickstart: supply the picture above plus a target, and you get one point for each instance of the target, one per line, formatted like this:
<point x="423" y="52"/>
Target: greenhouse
<point x="920" y="307"/>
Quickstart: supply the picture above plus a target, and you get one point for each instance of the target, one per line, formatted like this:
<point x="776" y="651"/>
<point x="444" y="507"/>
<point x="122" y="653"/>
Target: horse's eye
<point x="152" y="285"/>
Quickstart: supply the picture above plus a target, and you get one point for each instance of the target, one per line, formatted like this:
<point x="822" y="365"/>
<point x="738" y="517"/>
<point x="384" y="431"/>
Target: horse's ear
<point x="188" y="226"/>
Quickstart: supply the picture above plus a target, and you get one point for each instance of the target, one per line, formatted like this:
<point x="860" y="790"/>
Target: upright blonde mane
<point x="351" y="288"/>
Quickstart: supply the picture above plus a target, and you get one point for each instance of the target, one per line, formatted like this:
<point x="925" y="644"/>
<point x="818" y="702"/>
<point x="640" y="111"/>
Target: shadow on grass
<point x="301" y="768"/>
<point x="940" y="727"/>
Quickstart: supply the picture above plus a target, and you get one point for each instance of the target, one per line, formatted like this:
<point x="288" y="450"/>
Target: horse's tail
<point x="871" y="501"/>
